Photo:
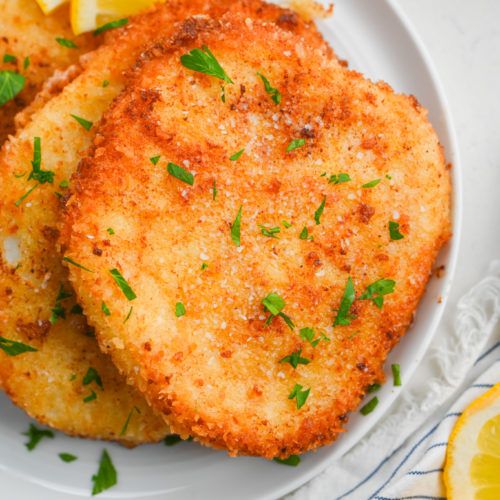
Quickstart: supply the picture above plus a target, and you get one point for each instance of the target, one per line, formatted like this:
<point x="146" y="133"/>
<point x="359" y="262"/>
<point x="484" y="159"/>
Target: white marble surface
<point x="463" y="39"/>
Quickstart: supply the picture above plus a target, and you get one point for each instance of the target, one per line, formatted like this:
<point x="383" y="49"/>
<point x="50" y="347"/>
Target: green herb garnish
<point x="373" y="388"/>
<point x="105" y="83"/>
<point x="343" y="316"/>
<point x="127" y="317"/>
<point x="106" y="476"/>
<point x="214" y="190"/>
<point x="67" y="457"/>
<point x="110" y="231"/>
<point x="122" y="283"/>
<point x="37" y="174"/>
<point x="180" y="310"/>
<point x="180" y="173"/>
<point x="76" y="309"/>
<point x="92" y="376"/>
<point x="11" y="83"/>
<point x="371" y="184"/>
<point x="13" y="348"/>
<point x="369" y="407"/>
<point x="204" y="266"/>
<point x="127" y="421"/>
<point x="338" y="178"/>
<point x="35" y="435"/>
<point x="300" y="395"/>
<point x="274" y="304"/>
<point x="25" y="195"/>
<point x="237" y="155"/>
<point x="396" y="374"/>
<point x="64" y="184"/>
<point x="9" y="58"/>
<point x="155" y="159"/>
<point x="295" y="359"/>
<point x="292" y="460"/>
<point x="172" y="440"/>
<point x="376" y="291"/>
<point x="270" y="232"/>
<point x="58" y="310"/>
<point x="319" y="211"/>
<point x="110" y="26"/>
<point x="71" y="261"/>
<point x="64" y="42"/>
<point x="295" y="144"/>
<point x="203" y="61"/>
<point x="90" y="397"/>
<point x="236" y="228"/>
<point x="87" y="125"/>
<point x="274" y="93"/>
<point x="26" y="62"/>
<point x="307" y="334"/>
<point x="286" y="224"/>
<point x="394" y="231"/>
<point x="304" y="234"/>
<point x="105" y="309"/>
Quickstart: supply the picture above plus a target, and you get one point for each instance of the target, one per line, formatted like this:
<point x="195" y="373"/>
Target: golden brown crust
<point x="215" y="372"/>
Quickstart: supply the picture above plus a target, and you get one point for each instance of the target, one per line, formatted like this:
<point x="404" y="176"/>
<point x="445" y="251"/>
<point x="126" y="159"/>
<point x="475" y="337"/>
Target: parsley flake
<point x="292" y="460"/>
<point x="92" y="376"/>
<point x="295" y="144"/>
<point x="307" y="334"/>
<point x="67" y="457"/>
<point x="110" y="231"/>
<point x="396" y="374"/>
<point x="37" y="174"/>
<point x="106" y="476"/>
<point x="127" y="317"/>
<point x="274" y="93"/>
<point x="72" y="262"/>
<point x="369" y="407"/>
<point x="11" y="83"/>
<point x="105" y="83"/>
<point x="236" y="228"/>
<point x="58" y="310"/>
<point x="304" y="234"/>
<point x="64" y="184"/>
<point x="105" y="309"/>
<point x="122" y="283"/>
<point x="180" y="310"/>
<point x="214" y="190"/>
<point x="127" y="421"/>
<point x="376" y="291"/>
<point x="295" y="359"/>
<point x="203" y="61"/>
<point x="172" y="440"/>
<point x="26" y="63"/>
<point x="371" y="184"/>
<point x="76" y="309"/>
<point x="338" y="178"/>
<point x="25" y="195"/>
<point x="64" y="42"/>
<point x="286" y="224"/>
<point x="110" y="26"/>
<point x="155" y="159"/>
<point x="319" y="211"/>
<point x="35" y="435"/>
<point x="237" y="155"/>
<point x="13" y="348"/>
<point x="343" y="316"/>
<point x="9" y="58"/>
<point x="180" y="173"/>
<point x="300" y="395"/>
<point x="204" y="266"/>
<point x="91" y="397"/>
<point x="373" y="388"/>
<point x="87" y="125"/>
<point x="270" y="232"/>
<point x="274" y="304"/>
<point x="394" y="231"/>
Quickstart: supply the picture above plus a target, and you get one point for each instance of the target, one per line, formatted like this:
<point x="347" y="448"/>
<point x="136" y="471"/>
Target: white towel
<point x="403" y="457"/>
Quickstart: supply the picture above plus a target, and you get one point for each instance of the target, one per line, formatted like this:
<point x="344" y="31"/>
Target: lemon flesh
<point x="48" y="6"/>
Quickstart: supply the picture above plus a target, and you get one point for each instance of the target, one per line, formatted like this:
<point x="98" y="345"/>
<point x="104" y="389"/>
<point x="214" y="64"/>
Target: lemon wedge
<point x="87" y="15"/>
<point x="472" y="468"/>
<point x="48" y="6"/>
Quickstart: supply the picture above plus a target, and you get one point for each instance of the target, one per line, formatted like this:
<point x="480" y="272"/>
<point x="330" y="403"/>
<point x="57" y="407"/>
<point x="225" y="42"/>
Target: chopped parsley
<point x="127" y="317"/>
<point x="105" y="83"/>
<point x="394" y="231"/>
<point x="26" y="62"/>
<point x="319" y="211"/>
<point x="172" y="440"/>
<point x="292" y="460"/>
<point x="295" y="144"/>
<point x="203" y="61"/>
<point x="13" y="348"/>
<point x="376" y="291"/>
<point x="369" y="407"/>
<point x="371" y="184"/>
<point x="270" y="232"/>
<point x="91" y="397"/>
<point x="86" y="124"/>
<point x="64" y="184"/>
<point x="58" y="310"/>
<point x="286" y="224"/>
<point x="223" y="93"/>
<point x="274" y="304"/>
<point x="236" y="228"/>
<point x="343" y="316"/>
<point x="180" y="173"/>
<point x="273" y="92"/>
<point x="214" y="190"/>
<point x="155" y="159"/>
<point x="76" y="309"/>
<point x="67" y="457"/>
<point x="180" y="310"/>
<point x="64" y="42"/>
<point x="110" y="26"/>
<point x="338" y="178"/>
<point x="373" y="388"/>
<point x="106" y="475"/>
<point x="396" y="374"/>
<point x="304" y="234"/>
<point x="204" y="266"/>
<point x="300" y="395"/>
<point x="110" y="231"/>
<point x="105" y="309"/>
<point x="35" y="435"/>
<point x="92" y="376"/>
<point x="11" y="83"/>
<point x="127" y="420"/>
<point x="72" y="377"/>
<point x="237" y="155"/>
<point x="9" y="58"/>
<point x="295" y="359"/>
<point x="37" y="174"/>
<point x="25" y="195"/>
<point x="72" y="262"/>
<point x="122" y="283"/>
<point x="307" y="334"/>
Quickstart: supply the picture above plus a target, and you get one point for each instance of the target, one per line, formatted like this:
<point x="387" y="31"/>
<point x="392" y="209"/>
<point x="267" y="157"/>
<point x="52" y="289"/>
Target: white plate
<point x="375" y="38"/>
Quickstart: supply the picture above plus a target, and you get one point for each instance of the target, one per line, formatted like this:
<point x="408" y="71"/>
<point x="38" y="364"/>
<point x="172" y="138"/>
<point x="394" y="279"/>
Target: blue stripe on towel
<point x="423" y="472"/>
<point x="489" y="351"/>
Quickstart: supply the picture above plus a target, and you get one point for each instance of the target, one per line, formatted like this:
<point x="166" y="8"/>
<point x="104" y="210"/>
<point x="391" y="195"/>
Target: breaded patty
<point x="273" y="247"/>
<point x="48" y="384"/>
<point x="30" y="36"/>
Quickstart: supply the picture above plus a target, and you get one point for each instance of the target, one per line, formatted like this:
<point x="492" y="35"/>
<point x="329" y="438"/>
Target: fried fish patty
<point x="267" y="286"/>
<point x="48" y="384"/>
<point x="30" y="36"/>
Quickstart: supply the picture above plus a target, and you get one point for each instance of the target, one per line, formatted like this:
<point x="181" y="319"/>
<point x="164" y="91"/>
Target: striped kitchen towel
<point x="403" y="457"/>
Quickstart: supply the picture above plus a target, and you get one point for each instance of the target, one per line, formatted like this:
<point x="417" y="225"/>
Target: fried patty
<point x="48" y="384"/>
<point x="299" y="216"/>
<point x="30" y="36"/>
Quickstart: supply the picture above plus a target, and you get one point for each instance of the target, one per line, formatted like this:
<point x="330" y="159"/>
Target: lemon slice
<point x="48" y="6"/>
<point x="87" y="15"/>
<point x="472" y="469"/>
